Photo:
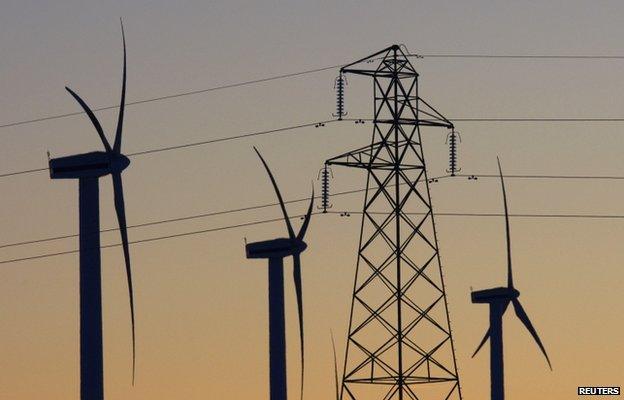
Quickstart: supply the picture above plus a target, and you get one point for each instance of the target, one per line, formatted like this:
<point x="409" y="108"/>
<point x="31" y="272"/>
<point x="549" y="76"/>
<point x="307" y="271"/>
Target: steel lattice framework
<point x="399" y="344"/>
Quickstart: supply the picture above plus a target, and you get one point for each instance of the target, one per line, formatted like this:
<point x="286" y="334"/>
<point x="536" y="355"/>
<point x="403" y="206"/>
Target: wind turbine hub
<point x="118" y="162"/>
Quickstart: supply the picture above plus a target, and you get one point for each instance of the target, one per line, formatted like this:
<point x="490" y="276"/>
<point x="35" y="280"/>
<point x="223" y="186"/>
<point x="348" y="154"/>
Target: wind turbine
<point x="499" y="299"/>
<point x="88" y="168"/>
<point x="275" y="251"/>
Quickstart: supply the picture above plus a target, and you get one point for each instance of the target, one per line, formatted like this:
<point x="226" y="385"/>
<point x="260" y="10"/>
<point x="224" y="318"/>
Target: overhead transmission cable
<point x="311" y="71"/>
<point x="342" y="213"/>
<point x="172" y="96"/>
<point x="222" y="228"/>
<point x="179" y="219"/>
<point x="521" y="56"/>
<point x="319" y="124"/>
<point x="176" y="235"/>
<point x="267" y="205"/>
<point x="194" y="144"/>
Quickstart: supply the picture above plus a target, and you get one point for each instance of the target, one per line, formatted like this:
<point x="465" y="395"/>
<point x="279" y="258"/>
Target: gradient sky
<point x="201" y="306"/>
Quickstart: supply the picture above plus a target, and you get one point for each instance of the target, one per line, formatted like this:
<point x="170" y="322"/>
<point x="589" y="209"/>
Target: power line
<point x="518" y="119"/>
<point x="267" y="205"/>
<point x="537" y="119"/>
<point x="222" y="228"/>
<point x="178" y="219"/>
<point x="172" y="96"/>
<point x="154" y="239"/>
<point x="27" y="171"/>
<point x="311" y="71"/>
<point x="158" y="222"/>
<point x="484" y="214"/>
<point x="590" y="177"/>
<point x="317" y="123"/>
<point x="225" y="139"/>
<point x="522" y="56"/>
<point x="193" y="144"/>
<point x="582" y="216"/>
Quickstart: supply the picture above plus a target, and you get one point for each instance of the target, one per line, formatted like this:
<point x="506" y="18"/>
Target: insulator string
<point x="324" y="174"/>
<point x="339" y="86"/>
<point x="452" y="140"/>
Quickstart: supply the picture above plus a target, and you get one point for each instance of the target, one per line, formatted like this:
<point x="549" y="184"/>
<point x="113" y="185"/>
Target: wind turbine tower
<point x="399" y="344"/>
<point x="498" y="300"/>
<point x="88" y="168"/>
<point x="275" y="251"/>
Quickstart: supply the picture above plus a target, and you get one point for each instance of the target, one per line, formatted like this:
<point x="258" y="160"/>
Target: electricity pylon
<point x="399" y="344"/>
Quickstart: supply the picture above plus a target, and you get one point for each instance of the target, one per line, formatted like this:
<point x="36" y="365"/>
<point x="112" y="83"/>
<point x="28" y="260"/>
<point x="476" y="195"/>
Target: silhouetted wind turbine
<point x="275" y="250"/>
<point x="498" y="299"/>
<point x="88" y="168"/>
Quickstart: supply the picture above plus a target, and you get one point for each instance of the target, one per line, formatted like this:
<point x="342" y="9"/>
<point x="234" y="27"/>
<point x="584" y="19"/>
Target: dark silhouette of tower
<point x="499" y="299"/>
<point x="88" y="168"/>
<point x="399" y="344"/>
<point x="275" y="251"/>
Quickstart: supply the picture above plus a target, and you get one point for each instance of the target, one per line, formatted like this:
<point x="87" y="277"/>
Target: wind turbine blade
<point x="335" y="366"/>
<point x="485" y="338"/>
<point x="522" y="315"/>
<point x="509" y="272"/>
<point x="487" y="334"/>
<point x="122" y="104"/>
<point x="121" y="217"/>
<point x="291" y="232"/>
<point x="299" y="293"/>
<point x="92" y="117"/>
<point x="306" y="221"/>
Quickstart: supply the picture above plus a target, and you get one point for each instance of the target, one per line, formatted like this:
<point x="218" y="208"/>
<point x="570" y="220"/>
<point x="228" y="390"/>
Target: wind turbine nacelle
<point x="493" y="295"/>
<point x="88" y="165"/>
<point x="276" y="248"/>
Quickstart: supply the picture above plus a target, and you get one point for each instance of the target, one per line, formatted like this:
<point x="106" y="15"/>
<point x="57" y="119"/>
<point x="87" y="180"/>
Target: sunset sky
<point x="201" y="306"/>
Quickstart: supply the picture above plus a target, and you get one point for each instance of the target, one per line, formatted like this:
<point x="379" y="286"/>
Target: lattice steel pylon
<point x="399" y="344"/>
